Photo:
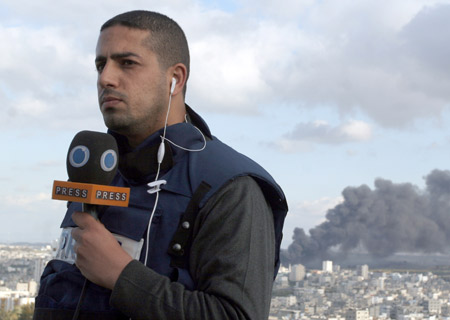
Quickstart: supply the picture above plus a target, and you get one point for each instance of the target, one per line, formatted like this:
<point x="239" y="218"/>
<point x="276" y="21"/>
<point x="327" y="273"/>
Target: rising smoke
<point x="390" y="219"/>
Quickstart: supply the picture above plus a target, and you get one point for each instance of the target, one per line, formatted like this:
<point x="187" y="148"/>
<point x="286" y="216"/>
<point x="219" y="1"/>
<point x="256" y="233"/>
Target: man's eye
<point x="99" y="67"/>
<point x="128" y="62"/>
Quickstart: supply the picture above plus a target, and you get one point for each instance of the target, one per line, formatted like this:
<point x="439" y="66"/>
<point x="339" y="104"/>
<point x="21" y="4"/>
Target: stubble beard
<point x="128" y="124"/>
<point x="141" y="117"/>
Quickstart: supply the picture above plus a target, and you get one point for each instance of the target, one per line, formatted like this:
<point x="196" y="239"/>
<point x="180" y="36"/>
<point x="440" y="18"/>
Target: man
<point x="202" y="244"/>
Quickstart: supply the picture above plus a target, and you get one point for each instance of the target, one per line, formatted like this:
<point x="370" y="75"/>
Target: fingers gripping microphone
<point x="92" y="163"/>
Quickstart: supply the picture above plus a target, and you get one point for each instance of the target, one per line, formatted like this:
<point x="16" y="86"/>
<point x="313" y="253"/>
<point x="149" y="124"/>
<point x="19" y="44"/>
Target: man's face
<point x="132" y="87"/>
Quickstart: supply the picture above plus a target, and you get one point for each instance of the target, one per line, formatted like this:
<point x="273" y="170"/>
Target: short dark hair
<point x="167" y="40"/>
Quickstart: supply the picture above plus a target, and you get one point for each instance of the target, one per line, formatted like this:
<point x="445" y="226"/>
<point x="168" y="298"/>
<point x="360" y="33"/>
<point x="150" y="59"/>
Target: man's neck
<point x="177" y="115"/>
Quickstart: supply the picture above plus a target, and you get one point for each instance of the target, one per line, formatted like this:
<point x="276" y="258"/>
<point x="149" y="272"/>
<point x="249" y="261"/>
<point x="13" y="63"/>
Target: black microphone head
<point x="92" y="158"/>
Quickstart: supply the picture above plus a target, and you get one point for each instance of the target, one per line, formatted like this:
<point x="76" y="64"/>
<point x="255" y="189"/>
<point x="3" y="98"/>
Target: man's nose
<point x="108" y="77"/>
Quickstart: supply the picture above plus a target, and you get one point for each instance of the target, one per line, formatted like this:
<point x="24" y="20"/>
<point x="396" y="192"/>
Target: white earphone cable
<point x="160" y="158"/>
<point x="186" y="149"/>
<point x="161" y="152"/>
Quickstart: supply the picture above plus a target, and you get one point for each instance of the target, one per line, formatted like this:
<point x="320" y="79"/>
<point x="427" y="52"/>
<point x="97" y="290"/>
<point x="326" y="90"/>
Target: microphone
<point x="92" y="163"/>
<point x="92" y="158"/>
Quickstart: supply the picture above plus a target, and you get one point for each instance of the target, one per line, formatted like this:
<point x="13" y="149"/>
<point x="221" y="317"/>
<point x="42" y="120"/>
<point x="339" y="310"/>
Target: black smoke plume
<point x="392" y="218"/>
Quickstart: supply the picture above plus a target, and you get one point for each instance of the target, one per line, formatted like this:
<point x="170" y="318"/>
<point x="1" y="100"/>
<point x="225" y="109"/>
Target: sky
<point x="324" y="94"/>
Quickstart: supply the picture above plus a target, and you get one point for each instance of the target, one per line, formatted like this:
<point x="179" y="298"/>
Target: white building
<point x="433" y="306"/>
<point x="39" y="265"/>
<point x="297" y="273"/>
<point x="354" y="314"/>
<point x="10" y="299"/>
<point x="363" y="271"/>
<point x="327" y="266"/>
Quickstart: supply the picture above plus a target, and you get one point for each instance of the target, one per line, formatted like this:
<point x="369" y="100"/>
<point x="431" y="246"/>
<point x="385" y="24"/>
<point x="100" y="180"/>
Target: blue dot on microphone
<point x="78" y="156"/>
<point x="108" y="160"/>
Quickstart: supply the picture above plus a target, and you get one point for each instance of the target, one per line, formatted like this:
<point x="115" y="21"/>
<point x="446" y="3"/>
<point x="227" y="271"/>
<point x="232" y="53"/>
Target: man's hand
<point x="100" y="257"/>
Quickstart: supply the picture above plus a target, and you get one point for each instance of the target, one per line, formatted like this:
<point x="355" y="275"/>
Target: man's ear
<point x="179" y="73"/>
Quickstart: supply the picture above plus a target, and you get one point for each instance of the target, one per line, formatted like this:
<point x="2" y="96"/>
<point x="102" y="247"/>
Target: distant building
<point x="374" y="311"/>
<point x="433" y="306"/>
<point x="354" y="314"/>
<point x="39" y="265"/>
<point x="284" y="269"/>
<point x="22" y="286"/>
<point x="10" y="299"/>
<point x="363" y="271"/>
<point x="281" y="281"/>
<point x="336" y="268"/>
<point x="7" y="304"/>
<point x="26" y="288"/>
<point x="445" y="310"/>
<point x="297" y="273"/>
<point x="380" y="283"/>
<point x="327" y="266"/>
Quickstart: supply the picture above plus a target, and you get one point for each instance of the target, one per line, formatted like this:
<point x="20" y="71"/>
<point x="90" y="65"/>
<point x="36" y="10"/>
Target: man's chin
<point x="114" y="125"/>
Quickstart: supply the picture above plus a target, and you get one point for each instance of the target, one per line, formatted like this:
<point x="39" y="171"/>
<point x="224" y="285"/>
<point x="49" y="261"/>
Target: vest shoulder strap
<point x="180" y="245"/>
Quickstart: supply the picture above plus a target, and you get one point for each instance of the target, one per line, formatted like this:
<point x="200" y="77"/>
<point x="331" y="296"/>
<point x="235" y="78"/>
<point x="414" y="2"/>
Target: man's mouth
<point x="109" y="101"/>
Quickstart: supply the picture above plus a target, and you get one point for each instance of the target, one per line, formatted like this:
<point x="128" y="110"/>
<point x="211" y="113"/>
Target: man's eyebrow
<point x="117" y="56"/>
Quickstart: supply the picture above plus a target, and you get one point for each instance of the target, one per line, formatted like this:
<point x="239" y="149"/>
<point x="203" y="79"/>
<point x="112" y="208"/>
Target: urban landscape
<point x="362" y="294"/>
<point x="20" y="269"/>
<point x="330" y="293"/>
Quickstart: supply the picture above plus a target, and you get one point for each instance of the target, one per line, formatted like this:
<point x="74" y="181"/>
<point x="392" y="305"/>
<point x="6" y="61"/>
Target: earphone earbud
<point x="174" y="83"/>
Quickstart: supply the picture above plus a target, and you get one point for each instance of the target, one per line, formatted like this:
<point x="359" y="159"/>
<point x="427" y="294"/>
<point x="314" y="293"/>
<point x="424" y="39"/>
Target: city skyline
<point x="328" y="292"/>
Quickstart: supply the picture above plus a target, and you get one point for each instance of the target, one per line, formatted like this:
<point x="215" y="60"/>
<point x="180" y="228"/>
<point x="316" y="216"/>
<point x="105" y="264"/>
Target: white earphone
<point x="172" y="87"/>
<point x="155" y="186"/>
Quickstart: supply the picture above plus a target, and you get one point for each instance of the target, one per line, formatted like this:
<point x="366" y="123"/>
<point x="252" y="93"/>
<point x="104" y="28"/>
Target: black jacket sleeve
<point x="231" y="262"/>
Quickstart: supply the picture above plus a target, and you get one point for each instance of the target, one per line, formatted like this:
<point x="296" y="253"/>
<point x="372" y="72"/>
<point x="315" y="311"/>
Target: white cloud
<point x="382" y="58"/>
<point x="317" y="208"/>
<point x="30" y="217"/>
<point x="291" y="146"/>
<point x="305" y="135"/>
<point x="23" y="200"/>
<point x="44" y="76"/>
<point x="365" y="67"/>
<point x="322" y="132"/>
<point x="356" y="130"/>
<point x="235" y="59"/>
<point x="366" y="56"/>
<point x="31" y="107"/>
